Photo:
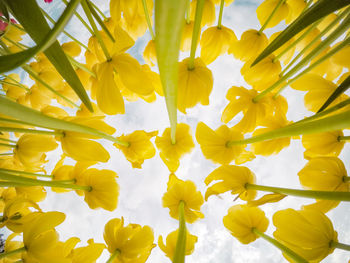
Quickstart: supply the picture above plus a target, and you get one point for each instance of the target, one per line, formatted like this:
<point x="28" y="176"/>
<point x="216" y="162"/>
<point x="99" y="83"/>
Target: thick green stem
<point x="316" y="51"/>
<point x="81" y="66"/>
<point x="149" y="24"/>
<point x="32" y="131"/>
<point x="80" y="18"/>
<point x="271" y="15"/>
<point x="290" y="253"/>
<point x="10" y="178"/>
<point x="346" y="179"/>
<point x="10" y="253"/>
<point x="196" y="32"/>
<point x="8" y="145"/>
<point x="95" y="29"/>
<point x="222" y="3"/>
<point x="343" y="138"/>
<point x="24" y="173"/>
<point x="324" y="195"/>
<point x="99" y="10"/>
<point x="113" y="256"/>
<point x="180" y="249"/>
<point x="340" y="245"/>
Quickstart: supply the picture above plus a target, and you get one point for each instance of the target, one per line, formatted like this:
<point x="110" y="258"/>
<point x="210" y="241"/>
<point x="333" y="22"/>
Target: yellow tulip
<point x="55" y="112"/>
<point x="140" y="147"/>
<point x="231" y="178"/>
<point x="183" y="145"/>
<point x="295" y="9"/>
<point x="286" y="57"/>
<point x="11" y="245"/>
<point x="186" y="38"/>
<point x="208" y="17"/>
<point x="264" y="10"/>
<point x="34" y="193"/>
<point x="214" y="42"/>
<point x="340" y="58"/>
<point x="71" y="48"/>
<point x="242" y="219"/>
<point x="185" y="191"/>
<point x="38" y="98"/>
<point x="169" y="247"/>
<point x="88" y="254"/>
<point x="308" y="233"/>
<point x="214" y="143"/>
<point x="149" y="54"/>
<point x="6" y="194"/>
<point x="131" y="243"/>
<point x="195" y="85"/>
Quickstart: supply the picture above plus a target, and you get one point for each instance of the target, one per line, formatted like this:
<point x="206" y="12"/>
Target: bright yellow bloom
<point x="104" y="189"/>
<point x="33" y="193"/>
<point x="263" y="74"/>
<point x="186" y="38"/>
<point x="13" y="91"/>
<point x="10" y="246"/>
<point x="249" y="46"/>
<point x="341" y="57"/>
<point x="242" y="219"/>
<point x="295" y="9"/>
<point x="268" y="198"/>
<point x="326" y="21"/>
<point x="38" y="97"/>
<point x="133" y="242"/>
<point x="55" y="112"/>
<point x="324" y="174"/>
<point x="307" y="39"/>
<point x="195" y="85"/>
<point x="241" y="100"/>
<point x="88" y="254"/>
<point x="31" y="149"/>
<point x="84" y="112"/>
<point x="140" y="147"/>
<point x="214" y="143"/>
<point x="264" y="10"/>
<point x="322" y="144"/>
<point x="270" y="147"/>
<point x="71" y="48"/>
<point x="185" y="191"/>
<point x="149" y="54"/>
<point x="41" y="239"/>
<point x="183" y="145"/>
<point x="214" y="42"/>
<point x="231" y="178"/>
<point x="6" y="194"/>
<point x="169" y="247"/>
<point x="286" y="57"/>
<point x="208" y="17"/>
<point x="62" y="172"/>
<point x="308" y="233"/>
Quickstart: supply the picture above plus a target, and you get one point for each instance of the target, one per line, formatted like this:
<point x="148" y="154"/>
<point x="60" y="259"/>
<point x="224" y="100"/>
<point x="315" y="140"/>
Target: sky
<point x="141" y="190"/>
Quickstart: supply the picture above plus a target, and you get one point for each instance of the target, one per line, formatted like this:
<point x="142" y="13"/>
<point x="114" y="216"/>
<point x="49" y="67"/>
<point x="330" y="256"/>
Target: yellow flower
<point x="214" y="143"/>
<point x="241" y="100"/>
<point x="324" y="174"/>
<point x="186" y="38"/>
<point x="55" y="112"/>
<point x="104" y="189"/>
<point x="269" y="147"/>
<point x="215" y="41"/>
<point x="88" y="254"/>
<point x="149" y="54"/>
<point x="263" y="74"/>
<point x="286" y="57"/>
<point x="340" y="58"/>
<point x="169" y="247"/>
<point x="133" y="242"/>
<point x="208" y="17"/>
<point x="10" y="246"/>
<point x="242" y="219"/>
<point x="295" y="9"/>
<point x="195" y="85"/>
<point x="62" y="172"/>
<point x="71" y="48"/>
<point x="322" y="144"/>
<point x="264" y="10"/>
<point x="231" y="178"/>
<point x="38" y="98"/>
<point x="13" y="91"/>
<point x="308" y="233"/>
<point x="34" y="193"/>
<point x="307" y="39"/>
<point x="4" y="149"/>
<point x="6" y="194"/>
<point x="139" y="149"/>
<point x="185" y="191"/>
<point x="31" y="149"/>
<point x="249" y="46"/>
<point x="183" y="145"/>
<point x="85" y="112"/>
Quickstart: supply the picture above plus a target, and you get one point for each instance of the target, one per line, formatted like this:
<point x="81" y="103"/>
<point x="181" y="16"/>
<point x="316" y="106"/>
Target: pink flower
<point x="47" y="1"/>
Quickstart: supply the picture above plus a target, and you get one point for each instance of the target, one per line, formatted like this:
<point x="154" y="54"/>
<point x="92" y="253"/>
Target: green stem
<point x="180" y="249"/>
<point x="95" y="29"/>
<point x="7" y="140"/>
<point x="188" y="12"/>
<point x="346" y="179"/>
<point x="8" y="145"/>
<point x="271" y="15"/>
<point x="99" y="10"/>
<point x="24" y="173"/>
<point x="145" y="9"/>
<point x="343" y="138"/>
<point x="10" y="178"/>
<point x="6" y="154"/>
<point x="340" y="245"/>
<point x="222" y="3"/>
<point x="285" y="250"/>
<point x="14" y="121"/>
<point x="113" y="256"/>
<point x="13" y="42"/>
<point x="81" y="19"/>
<point x="322" y="46"/>
<point x="32" y="131"/>
<point x="81" y="66"/>
<point x="12" y="84"/>
<point x="65" y="32"/>
<point x="14" y="80"/>
<point x="196" y="32"/>
<point x="324" y="195"/>
<point x="10" y="253"/>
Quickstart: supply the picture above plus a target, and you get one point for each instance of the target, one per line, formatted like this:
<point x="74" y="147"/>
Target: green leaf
<point x="29" y="15"/>
<point x="36" y="118"/>
<point x="12" y="61"/>
<point x="169" y="22"/>
<point x="317" y="11"/>
<point x="4" y="11"/>
<point x="340" y="90"/>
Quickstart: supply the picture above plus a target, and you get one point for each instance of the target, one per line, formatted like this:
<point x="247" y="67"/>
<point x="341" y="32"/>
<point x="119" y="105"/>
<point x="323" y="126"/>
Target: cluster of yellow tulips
<point x="66" y="105"/>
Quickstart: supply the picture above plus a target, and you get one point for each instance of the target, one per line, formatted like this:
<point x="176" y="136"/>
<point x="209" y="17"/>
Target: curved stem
<point x="324" y="195"/>
<point x="10" y="253"/>
<point x="113" y="256"/>
<point x="340" y="245"/>
<point x="24" y="173"/>
<point x="222" y="3"/>
<point x="32" y="131"/>
<point x="98" y="10"/>
<point x="149" y="24"/>
<point x="271" y="16"/>
<point x="17" y="82"/>
<point x="81" y="66"/>
<point x="290" y="253"/>
<point x="180" y="249"/>
<point x="196" y="32"/>
<point x="81" y="19"/>
<point x="8" y="145"/>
